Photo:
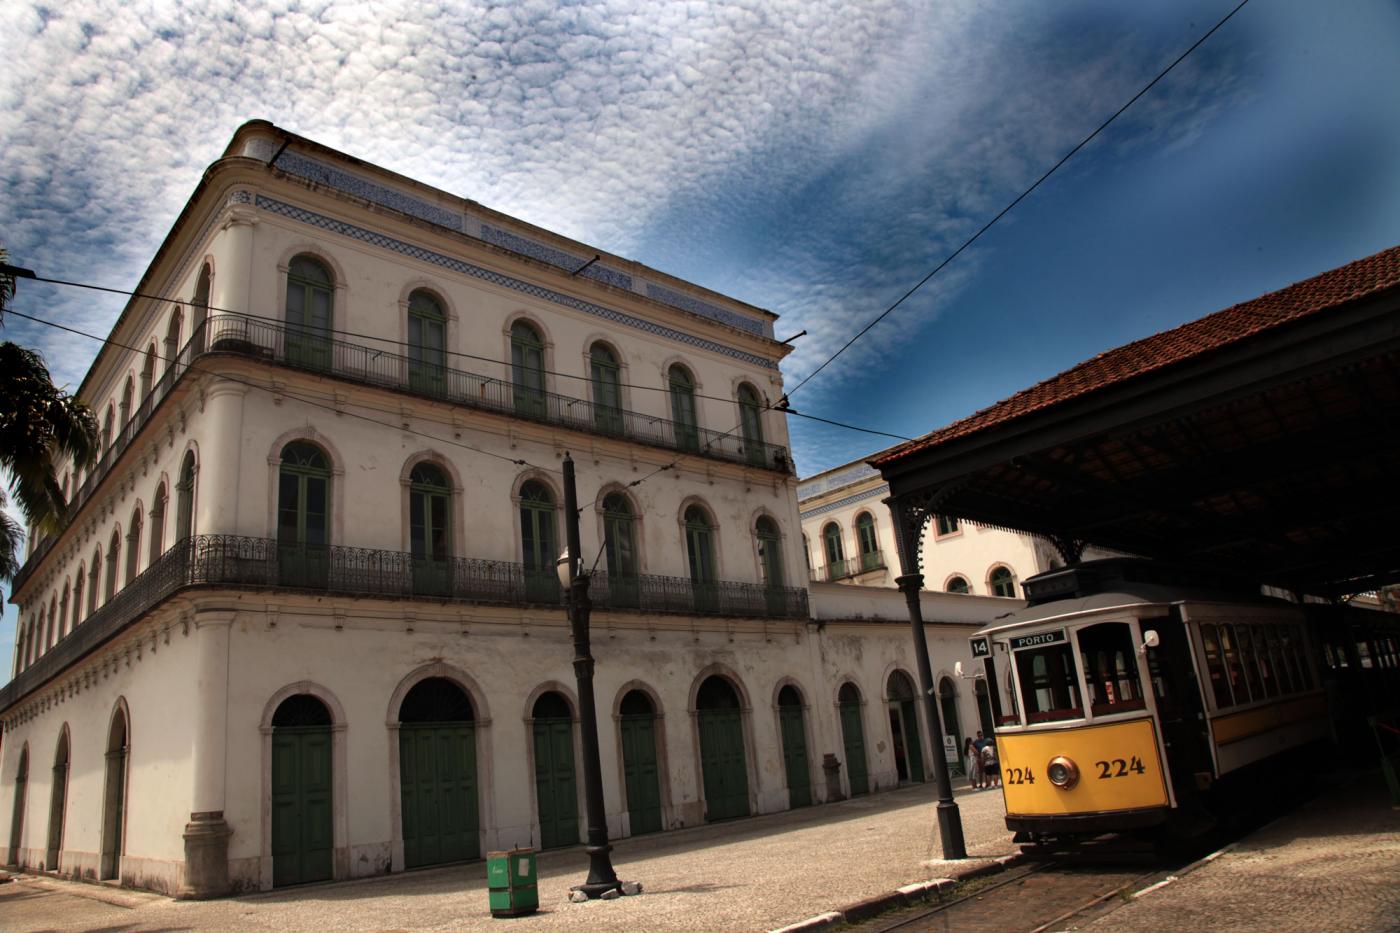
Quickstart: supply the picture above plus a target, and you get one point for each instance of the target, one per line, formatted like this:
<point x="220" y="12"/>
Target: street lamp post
<point x="601" y="876"/>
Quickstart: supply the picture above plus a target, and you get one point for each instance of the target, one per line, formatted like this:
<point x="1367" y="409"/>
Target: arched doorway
<point x="556" y="790"/>
<point x="114" y="798"/>
<point x="853" y="738"/>
<point x="302" y="839"/>
<point x="984" y="707"/>
<point x="437" y="774"/>
<point x="58" y="802"/>
<point x="904" y="728"/>
<point x="952" y="726"/>
<point x="723" y="765"/>
<point x="637" y="725"/>
<point x="17" y="815"/>
<point x="795" y="763"/>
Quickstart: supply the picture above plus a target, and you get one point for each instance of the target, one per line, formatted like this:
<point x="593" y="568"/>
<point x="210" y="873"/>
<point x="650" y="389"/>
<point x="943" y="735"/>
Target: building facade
<point x="304" y="621"/>
<point x="848" y="536"/>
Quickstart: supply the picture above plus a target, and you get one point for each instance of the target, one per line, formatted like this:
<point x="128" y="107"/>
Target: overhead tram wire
<point x="282" y="391"/>
<point x="778" y="406"/>
<point x="1019" y="198"/>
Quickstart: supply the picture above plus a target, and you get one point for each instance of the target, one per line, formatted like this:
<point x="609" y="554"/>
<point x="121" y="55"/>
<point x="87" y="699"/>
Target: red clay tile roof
<point x="1311" y="296"/>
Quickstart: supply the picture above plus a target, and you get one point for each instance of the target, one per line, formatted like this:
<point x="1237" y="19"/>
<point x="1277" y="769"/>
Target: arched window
<point x="172" y="339"/>
<point x="63" y="612"/>
<point x="527" y="370"/>
<point x="148" y="371"/>
<point x="537" y="542"/>
<point x="77" y="600"/>
<point x="114" y="554"/>
<point x="770" y="551"/>
<point x="200" y="308"/>
<point x="108" y="427"/>
<point x="869" y="548"/>
<point x="124" y="412"/>
<point x="807" y="553"/>
<point x="51" y="627"/>
<point x="620" y="545"/>
<point x="1001" y="582"/>
<point x="94" y="580"/>
<point x="958" y="585"/>
<point x="700" y="552"/>
<point x="430" y="529"/>
<point x="184" y="505"/>
<point x="303" y="515"/>
<point x="310" y="288"/>
<point x="835" y="552"/>
<point x="946" y="525"/>
<point x="427" y="342"/>
<point x="133" y="546"/>
<point x="607" y="389"/>
<point x="751" y="424"/>
<point x="157" y="526"/>
<point x="687" y="426"/>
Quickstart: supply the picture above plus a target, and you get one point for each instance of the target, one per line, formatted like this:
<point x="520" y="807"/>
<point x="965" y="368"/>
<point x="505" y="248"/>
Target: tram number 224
<point x="1119" y="768"/>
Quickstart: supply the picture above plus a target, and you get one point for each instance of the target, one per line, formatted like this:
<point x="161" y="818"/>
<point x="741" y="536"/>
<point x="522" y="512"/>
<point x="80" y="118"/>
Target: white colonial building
<point x="303" y="622"/>
<point x="849" y="537"/>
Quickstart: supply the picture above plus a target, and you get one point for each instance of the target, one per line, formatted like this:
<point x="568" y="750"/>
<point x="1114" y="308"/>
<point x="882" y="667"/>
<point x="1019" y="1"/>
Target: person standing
<point x="974" y="764"/>
<point x="991" y="766"/>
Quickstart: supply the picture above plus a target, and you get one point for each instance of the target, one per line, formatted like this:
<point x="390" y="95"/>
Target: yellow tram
<point x="1126" y="692"/>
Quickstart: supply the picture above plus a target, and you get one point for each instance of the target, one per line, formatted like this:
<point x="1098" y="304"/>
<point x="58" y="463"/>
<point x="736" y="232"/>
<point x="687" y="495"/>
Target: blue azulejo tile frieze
<point x="880" y="490"/>
<point x="465" y="268"/>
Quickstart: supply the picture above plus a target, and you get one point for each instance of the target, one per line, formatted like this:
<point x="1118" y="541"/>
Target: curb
<point x="905" y="896"/>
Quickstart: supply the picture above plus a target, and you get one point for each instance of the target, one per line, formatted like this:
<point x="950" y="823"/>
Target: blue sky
<point x="813" y="157"/>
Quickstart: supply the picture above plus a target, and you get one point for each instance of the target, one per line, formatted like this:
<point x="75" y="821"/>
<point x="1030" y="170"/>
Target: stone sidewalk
<point x="755" y="874"/>
<point x="1331" y="865"/>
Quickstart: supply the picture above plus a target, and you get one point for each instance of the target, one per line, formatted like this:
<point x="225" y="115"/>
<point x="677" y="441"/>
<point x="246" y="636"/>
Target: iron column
<point x="601" y="876"/>
<point x="950" y="830"/>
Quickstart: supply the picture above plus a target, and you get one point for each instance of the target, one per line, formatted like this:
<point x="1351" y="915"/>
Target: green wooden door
<point x="799" y="775"/>
<point x="555" y="789"/>
<point x="437" y="776"/>
<point x="723" y="765"/>
<point x="301" y="805"/>
<point x="640" y="771"/>
<point x="913" y="750"/>
<point x="853" y="737"/>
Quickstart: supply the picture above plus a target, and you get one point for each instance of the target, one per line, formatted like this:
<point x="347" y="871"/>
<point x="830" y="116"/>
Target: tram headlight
<point x="1063" y="772"/>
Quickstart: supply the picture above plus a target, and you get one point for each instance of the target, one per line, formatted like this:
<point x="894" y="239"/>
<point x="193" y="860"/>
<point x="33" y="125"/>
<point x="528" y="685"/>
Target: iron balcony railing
<point x="263" y="563"/>
<point x="872" y="560"/>
<point x="840" y="569"/>
<point x="319" y="351"/>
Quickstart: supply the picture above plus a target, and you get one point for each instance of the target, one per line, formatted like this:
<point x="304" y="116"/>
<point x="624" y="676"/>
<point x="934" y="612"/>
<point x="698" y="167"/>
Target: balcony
<point x="228" y="561"/>
<point x="871" y="560"/>
<point x="321" y="352"/>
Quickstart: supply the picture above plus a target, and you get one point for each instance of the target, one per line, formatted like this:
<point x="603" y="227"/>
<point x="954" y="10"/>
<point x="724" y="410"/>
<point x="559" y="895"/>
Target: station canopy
<point x="1261" y="441"/>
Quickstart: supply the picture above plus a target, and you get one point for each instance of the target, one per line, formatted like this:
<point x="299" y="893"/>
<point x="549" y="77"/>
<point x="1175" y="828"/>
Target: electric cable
<point x="1019" y="198"/>
<point x="455" y="353"/>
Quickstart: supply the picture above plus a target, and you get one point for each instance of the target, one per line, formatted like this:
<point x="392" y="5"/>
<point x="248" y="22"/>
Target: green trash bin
<point x="510" y="879"/>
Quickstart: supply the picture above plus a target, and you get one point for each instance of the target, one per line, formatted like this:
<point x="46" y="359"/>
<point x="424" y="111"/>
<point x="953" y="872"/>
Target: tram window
<point x="1049" y="684"/>
<point x="1363" y="654"/>
<point x="1298" y="642"/>
<point x="1239" y="685"/>
<point x="1215" y="666"/>
<point x="1244" y="638"/>
<point x="1110" y="668"/>
<point x="1010" y="715"/>
<point x="1282" y="669"/>
<point x="1268" y="673"/>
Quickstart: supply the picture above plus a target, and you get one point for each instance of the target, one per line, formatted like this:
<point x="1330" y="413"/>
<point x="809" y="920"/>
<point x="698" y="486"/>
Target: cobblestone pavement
<point x="753" y="874"/>
<point x="1332" y="865"/>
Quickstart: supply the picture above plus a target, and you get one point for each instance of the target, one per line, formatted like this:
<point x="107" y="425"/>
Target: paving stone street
<point x="1332" y="865"/>
<point x="756" y="874"/>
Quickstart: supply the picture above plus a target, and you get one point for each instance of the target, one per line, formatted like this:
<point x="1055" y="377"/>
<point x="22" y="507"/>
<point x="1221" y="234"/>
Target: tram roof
<point x="1261" y="440"/>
